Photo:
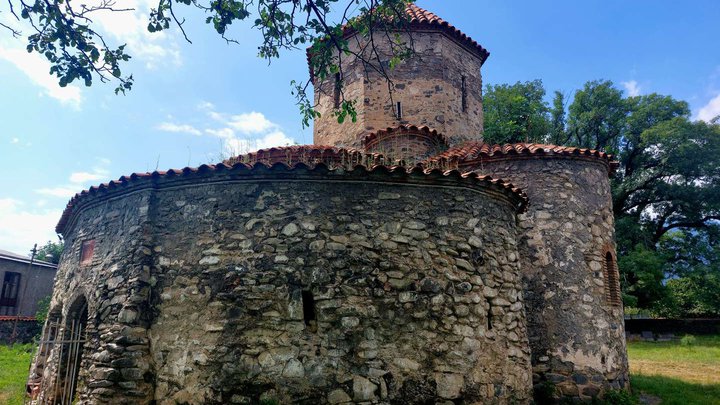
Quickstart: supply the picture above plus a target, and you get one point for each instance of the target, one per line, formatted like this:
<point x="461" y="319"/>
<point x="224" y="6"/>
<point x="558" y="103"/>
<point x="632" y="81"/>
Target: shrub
<point x="618" y="397"/>
<point x="688" y="340"/>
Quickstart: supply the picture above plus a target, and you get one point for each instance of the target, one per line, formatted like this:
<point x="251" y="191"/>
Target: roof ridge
<point x="420" y="17"/>
<point x="403" y="128"/>
<point x="472" y="150"/>
<point x="349" y="167"/>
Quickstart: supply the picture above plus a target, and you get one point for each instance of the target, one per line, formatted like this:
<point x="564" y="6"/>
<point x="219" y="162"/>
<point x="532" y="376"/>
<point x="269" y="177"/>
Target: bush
<point x="617" y="397"/>
<point x="688" y="340"/>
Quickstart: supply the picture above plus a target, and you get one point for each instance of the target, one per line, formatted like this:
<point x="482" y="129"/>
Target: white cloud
<point x="239" y="133"/>
<point x="130" y="27"/>
<point x="183" y="128"/>
<point x="83" y="177"/>
<point x="37" y="69"/>
<point x="99" y="172"/>
<point x="14" y="141"/>
<point x="21" y="228"/>
<point x="224" y="133"/>
<point x="632" y="88"/>
<point x="237" y="146"/>
<point x="78" y="180"/>
<point x="62" y="191"/>
<point x="250" y="123"/>
<point x="710" y="110"/>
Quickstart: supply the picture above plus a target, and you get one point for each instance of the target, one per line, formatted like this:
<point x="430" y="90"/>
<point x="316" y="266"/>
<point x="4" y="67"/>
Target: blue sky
<point x="195" y="103"/>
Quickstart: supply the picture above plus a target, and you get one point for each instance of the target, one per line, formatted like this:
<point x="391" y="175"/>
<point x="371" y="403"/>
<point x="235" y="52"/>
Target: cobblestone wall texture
<point x="428" y="85"/>
<point x="576" y="334"/>
<point x="200" y="292"/>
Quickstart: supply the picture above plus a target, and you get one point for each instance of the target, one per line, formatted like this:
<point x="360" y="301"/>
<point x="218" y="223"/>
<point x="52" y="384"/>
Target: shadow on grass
<point x="676" y="392"/>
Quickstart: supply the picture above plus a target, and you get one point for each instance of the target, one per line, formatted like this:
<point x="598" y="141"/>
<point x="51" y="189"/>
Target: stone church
<point x="403" y="262"/>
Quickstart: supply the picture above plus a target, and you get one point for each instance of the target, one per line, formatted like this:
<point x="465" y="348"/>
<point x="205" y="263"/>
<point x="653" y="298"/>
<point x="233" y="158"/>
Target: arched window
<point x="612" y="281"/>
<point x="70" y="355"/>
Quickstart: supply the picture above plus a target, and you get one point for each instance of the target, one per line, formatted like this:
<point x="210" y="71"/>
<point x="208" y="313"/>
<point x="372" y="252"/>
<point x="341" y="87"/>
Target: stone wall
<point x="116" y="286"/>
<point x="428" y="86"/>
<point x="322" y="288"/>
<point x="576" y="333"/>
<point x="25" y="330"/>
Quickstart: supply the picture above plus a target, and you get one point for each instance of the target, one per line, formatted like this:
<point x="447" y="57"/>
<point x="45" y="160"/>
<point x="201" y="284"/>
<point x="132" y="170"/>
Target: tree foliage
<point x="666" y="192"/>
<point x="63" y="31"/>
<point x="50" y="252"/>
<point x="596" y="116"/>
<point x="515" y="113"/>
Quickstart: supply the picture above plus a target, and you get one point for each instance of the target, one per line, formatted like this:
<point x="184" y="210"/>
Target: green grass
<point x="674" y="391"/>
<point x="14" y="367"/>
<point x="676" y="373"/>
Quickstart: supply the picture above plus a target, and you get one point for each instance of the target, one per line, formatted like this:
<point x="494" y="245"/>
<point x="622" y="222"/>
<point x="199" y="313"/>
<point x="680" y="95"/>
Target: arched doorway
<point x="70" y="355"/>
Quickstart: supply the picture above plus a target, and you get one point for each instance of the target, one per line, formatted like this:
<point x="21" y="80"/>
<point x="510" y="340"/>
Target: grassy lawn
<point x="14" y="366"/>
<point x="678" y="374"/>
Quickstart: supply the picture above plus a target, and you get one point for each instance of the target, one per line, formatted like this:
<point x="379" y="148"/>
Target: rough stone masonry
<point x="330" y="275"/>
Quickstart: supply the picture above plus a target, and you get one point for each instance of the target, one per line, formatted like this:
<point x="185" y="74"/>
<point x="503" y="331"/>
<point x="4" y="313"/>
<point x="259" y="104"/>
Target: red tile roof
<point x="475" y="152"/>
<point x="278" y="161"/>
<point x="308" y="154"/>
<point x="419" y="18"/>
<point x="374" y="137"/>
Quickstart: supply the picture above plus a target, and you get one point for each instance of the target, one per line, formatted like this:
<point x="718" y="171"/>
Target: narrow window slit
<point x="612" y="284"/>
<point x="399" y="110"/>
<point x="463" y="88"/>
<point x="489" y="316"/>
<point x="309" y="315"/>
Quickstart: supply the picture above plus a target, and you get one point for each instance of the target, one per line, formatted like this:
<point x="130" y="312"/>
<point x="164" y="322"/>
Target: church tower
<point x="438" y="87"/>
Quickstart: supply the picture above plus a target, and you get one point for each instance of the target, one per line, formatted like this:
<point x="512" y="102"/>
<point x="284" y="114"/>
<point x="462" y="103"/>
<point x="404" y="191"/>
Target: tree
<point x="694" y="271"/>
<point x="63" y="32"/>
<point x="558" y="134"/>
<point x="667" y="186"/>
<point x="50" y="252"/>
<point x="597" y="116"/>
<point x="515" y="113"/>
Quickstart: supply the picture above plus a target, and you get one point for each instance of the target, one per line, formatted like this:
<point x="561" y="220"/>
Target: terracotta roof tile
<point x="474" y="152"/>
<point x="266" y="162"/>
<point x="420" y="18"/>
<point x="373" y="137"/>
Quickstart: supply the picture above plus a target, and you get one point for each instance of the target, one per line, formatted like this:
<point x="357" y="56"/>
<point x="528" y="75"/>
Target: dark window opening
<point x="612" y="284"/>
<point x="336" y="92"/>
<point x="86" y="251"/>
<point x="398" y="111"/>
<point x="463" y="88"/>
<point x="489" y="316"/>
<point x="10" y="291"/>
<point x="309" y="315"/>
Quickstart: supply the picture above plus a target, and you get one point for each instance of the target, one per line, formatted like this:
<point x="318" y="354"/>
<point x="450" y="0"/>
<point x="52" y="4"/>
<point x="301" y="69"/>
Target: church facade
<point x="404" y="261"/>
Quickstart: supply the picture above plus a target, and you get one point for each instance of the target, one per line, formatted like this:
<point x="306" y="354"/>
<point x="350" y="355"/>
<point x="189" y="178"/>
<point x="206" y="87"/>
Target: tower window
<point x="309" y="315"/>
<point x="463" y="89"/>
<point x="612" y="283"/>
<point x="399" y="111"/>
<point x="336" y="91"/>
